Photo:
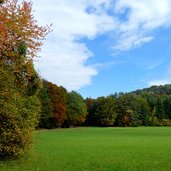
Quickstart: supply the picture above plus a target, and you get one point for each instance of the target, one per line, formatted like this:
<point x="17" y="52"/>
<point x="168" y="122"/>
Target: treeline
<point x="130" y="109"/>
<point x="147" y="107"/>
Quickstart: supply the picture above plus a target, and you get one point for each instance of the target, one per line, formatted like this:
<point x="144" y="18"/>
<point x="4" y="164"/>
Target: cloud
<point x="131" y="41"/>
<point x="159" y="82"/>
<point x="165" y="80"/>
<point x="138" y="19"/>
<point x="63" y="57"/>
<point x="154" y="65"/>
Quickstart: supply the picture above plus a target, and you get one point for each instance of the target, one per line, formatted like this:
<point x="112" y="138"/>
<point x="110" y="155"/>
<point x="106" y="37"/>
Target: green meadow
<point x="97" y="149"/>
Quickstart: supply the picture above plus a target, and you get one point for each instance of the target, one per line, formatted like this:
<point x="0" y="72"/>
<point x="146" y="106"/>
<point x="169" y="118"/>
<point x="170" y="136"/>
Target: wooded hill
<point x="158" y="90"/>
<point x="149" y="106"/>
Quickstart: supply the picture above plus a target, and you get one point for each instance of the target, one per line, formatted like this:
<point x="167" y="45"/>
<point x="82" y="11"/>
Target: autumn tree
<point x="57" y="97"/>
<point x="19" y="28"/>
<point x="20" y="40"/>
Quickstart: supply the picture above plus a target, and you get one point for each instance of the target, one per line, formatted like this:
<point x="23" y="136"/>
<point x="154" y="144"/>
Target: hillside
<point x="158" y="90"/>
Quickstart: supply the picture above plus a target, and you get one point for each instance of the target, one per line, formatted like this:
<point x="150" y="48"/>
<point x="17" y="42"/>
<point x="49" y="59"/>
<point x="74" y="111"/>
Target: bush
<point x="165" y="122"/>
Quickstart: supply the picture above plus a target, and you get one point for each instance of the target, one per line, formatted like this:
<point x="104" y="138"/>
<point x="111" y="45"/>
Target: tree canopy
<point x="17" y="26"/>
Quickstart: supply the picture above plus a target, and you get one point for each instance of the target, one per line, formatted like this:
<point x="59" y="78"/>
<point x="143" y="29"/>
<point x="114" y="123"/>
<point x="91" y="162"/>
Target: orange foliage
<point x="17" y="24"/>
<point x="57" y="97"/>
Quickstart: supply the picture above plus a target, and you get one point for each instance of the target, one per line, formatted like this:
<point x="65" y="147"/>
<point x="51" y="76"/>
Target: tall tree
<point x="18" y="116"/>
<point x="46" y="119"/>
<point x="91" y="108"/>
<point x="57" y="97"/>
<point x="125" y="113"/>
<point x="20" y="40"/>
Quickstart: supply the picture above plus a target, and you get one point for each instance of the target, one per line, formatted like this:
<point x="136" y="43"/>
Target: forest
<point x="146" y="107"/>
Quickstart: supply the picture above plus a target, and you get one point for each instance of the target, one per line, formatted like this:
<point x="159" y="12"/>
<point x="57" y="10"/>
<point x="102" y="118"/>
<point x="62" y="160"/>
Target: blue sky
<point x="104" y="46"/>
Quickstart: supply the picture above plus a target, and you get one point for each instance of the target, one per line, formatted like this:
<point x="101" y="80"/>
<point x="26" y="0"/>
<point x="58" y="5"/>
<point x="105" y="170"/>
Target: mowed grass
<point x="98" y="149"/>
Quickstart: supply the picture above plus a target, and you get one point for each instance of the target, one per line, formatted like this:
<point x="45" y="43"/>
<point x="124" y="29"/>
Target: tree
<point x="18" y="116"/>
<point x="167" y="105"/>
<point x="153" y="120"/>
<point x="18" y="25"/>
<point x="160" y="111"/>
<point x="76" y="109"/>
<point x="57" y="97"/>
<point x="124" y="113"/>
<point x="91" y="108"/>
<point x="143" y="110"/>
<point x="20" y="40"/>
<point x="105" y="112"/>
<point x="134" y="109"/>
<point x="46" y="119"/>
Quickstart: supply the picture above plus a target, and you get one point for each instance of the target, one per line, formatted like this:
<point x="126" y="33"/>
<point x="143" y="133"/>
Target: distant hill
<point x="158" y="90"/>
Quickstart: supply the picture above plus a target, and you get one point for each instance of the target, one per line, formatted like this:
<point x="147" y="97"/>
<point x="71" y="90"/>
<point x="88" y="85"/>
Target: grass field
<point x="98" y="149"/>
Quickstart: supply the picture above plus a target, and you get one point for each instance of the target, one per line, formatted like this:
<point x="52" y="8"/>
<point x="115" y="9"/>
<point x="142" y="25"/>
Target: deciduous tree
<point x="57" y="97"/>
<point x="20" y="40"/>
<point x="76" y="109"/>
<point x="17" y="25"/>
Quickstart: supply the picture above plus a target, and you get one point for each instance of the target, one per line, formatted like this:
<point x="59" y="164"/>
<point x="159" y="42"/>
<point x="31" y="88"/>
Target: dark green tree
<point x="46" y="119"/>
<point x="167" y="106"/>
<point x="105" y="111"/>
<point x="143" y="111"/>
<point x="160" y="110"/>
<point x="124" y="112"/>
<point x="91" y="108"/>
<point x="76" y="109"/>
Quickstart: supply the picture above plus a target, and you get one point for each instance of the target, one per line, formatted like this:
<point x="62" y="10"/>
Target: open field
<point x="98" y="149"/>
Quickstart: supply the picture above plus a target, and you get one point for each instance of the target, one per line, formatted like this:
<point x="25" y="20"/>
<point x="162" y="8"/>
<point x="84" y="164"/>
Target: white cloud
<point x="63" y="56"/>
<point x="165" y="80"/>
<point x="132" y="41"/>
<point x="159" y="82"/>
<point x="141" y="18"/>
<point x="65" y="65"/>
